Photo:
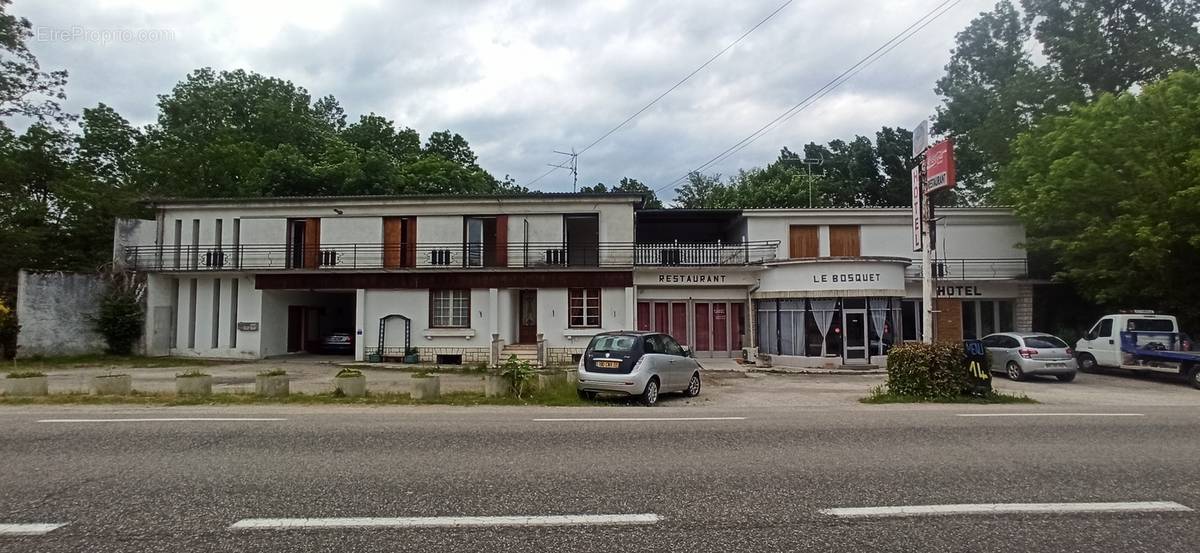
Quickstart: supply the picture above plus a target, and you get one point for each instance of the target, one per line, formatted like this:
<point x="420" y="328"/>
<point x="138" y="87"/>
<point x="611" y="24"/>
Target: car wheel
<point x="650" y="395"/>
<point x="1087" y="363"/>
<point x="1066" y="377"/>
<point x="693" y="388"/>
<point x="1194" y="377"/>
<point x="587" y="395"/>
<point x="1014" y="371"/>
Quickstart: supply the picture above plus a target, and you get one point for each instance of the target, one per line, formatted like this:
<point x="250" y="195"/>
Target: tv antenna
<point x="572" y="164"/>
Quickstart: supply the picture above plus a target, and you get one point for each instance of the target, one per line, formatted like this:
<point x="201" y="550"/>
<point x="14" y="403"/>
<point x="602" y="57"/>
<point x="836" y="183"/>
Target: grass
<point x="563" y="395"/>
<point x="123" y="361"/>
<point x="25" y="374"/>
<point x="273" y="372"/>
<point x="880" y="396"/>
<point x="194" y="373"/>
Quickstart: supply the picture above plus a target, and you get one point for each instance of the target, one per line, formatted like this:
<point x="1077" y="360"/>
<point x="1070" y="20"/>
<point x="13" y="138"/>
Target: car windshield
<point x="612" y="343"/>
<point x="1048" y="342"/>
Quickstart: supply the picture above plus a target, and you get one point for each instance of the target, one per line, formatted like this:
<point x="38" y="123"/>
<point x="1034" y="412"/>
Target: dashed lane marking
<point x="1006" y="508"/>
<point x="443" y="522"/>
<point x="168" y="419"/>
<point x="29" y="529"/>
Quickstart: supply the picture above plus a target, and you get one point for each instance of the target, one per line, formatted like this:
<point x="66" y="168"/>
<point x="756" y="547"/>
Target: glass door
<point x="856" y="336"/>
<point x="474" y="245"/>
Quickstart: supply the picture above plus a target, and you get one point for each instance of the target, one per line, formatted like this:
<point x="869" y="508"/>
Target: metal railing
<point x="973" y="269"/>
<point x="358" y="256"/>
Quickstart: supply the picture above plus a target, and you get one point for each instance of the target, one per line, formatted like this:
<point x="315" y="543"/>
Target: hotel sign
<point x="884" y="277"/>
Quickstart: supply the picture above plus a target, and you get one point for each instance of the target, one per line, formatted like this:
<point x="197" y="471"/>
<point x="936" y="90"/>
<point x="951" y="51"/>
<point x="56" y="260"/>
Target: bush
<point x="928" y="371"/>
<point x="273" y="372"/>
<point x="25" y="374"/>
<point x="194" y="373"/>
<point x="519" y="374"/>
<point x="348" y="373"/>
<point x="120" y="316"/>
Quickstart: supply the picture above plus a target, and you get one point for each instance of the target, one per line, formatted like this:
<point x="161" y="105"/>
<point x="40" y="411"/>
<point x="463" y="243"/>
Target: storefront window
<point x="969" y="324"/>
<point x="983" y="317"/>
<point x="911" y="314"/>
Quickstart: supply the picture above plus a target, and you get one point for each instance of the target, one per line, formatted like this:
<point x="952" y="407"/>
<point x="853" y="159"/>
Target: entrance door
<point x="855" y="326"/>
<point x="527" y="317"/>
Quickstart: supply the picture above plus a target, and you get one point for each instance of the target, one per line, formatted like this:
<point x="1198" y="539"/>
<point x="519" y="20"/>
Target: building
<point x="474" y="279"/>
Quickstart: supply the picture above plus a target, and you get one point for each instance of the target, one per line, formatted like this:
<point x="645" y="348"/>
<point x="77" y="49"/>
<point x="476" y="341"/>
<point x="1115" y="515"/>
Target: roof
<point x="628" y="196"/>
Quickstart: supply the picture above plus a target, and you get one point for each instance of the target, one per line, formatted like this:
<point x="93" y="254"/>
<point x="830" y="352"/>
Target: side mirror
<point x="687" y="351"/>
<point x="1091" y="335"/>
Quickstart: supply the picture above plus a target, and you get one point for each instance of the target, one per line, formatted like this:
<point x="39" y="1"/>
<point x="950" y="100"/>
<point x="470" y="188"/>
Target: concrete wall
<point x="53" y="310"/>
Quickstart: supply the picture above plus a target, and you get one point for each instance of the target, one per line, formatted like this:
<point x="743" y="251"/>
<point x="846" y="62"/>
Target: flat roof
<point x="631" y="197"/>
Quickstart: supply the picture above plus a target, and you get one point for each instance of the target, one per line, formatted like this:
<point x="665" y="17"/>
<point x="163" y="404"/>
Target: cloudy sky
<point x="521" y="79"/>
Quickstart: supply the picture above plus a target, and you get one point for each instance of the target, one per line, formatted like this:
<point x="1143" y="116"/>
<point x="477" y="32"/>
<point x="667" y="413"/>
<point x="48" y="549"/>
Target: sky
<point x="521" y="79"/>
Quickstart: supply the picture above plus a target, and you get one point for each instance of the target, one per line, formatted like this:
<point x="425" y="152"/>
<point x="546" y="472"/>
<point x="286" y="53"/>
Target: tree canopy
<point x="1111" y="190"/>
<point x="628" y="185"/>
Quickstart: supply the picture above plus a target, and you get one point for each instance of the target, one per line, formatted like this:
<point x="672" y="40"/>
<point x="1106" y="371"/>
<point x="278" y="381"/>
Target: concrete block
<point x="193" y="385"/>
<point x="351" y="386"/>
<point x="112" y="384"/>
<point x="32" y="386"/>
<point x="495" y="385"/>
<point x="271" y="386"/>
<point x="551" y="379"/>
<point x="427" y="387"/>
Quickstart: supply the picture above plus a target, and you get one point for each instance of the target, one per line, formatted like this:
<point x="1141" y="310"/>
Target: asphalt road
<point x="756" y="483"/>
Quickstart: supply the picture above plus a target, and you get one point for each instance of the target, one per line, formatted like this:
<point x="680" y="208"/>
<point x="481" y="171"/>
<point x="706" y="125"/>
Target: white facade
<point x="258" y="278"/>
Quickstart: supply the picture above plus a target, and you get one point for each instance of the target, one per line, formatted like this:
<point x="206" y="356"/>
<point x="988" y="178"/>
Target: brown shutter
<point x="502" y="240"/>
<point x="948" y="321"/>
<point x="845" y="241"/>
<point x="410" y="242"/>
<point x="393" y="228"/>
<point x="312" y="243"/>
<point x="803" y="241"/>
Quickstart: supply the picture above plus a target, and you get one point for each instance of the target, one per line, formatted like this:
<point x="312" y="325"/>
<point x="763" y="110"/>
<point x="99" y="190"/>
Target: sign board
<point x="920" y="138"/>
<point x="939" y="166"/>
<point x="247" y="327"/>
<point x="917" y="199"/>
<point x="979" y="379"/>
<point x="694" y="278"/>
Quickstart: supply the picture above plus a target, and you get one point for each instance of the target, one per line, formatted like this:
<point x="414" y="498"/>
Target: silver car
<point x="643" y="364"/>
<point x="1020" y="354"/>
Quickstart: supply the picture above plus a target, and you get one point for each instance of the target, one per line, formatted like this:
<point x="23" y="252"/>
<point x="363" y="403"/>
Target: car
<point x="1021" y="354"/>
<point x="337" y="342"/>
<point x="642" y="364"/>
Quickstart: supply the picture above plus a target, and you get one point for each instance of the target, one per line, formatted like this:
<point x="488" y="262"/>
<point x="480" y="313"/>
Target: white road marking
<point x="171" y="419"/>
<point x="1051" y="415"/>
<point x="442" y="522"/>
<point x="641" y="419"/>
<point x="1005" y="508"/>
<point x="28" y="529"/>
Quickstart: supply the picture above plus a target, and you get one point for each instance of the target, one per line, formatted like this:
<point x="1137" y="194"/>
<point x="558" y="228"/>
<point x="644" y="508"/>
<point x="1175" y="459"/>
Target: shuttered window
<point x="845" y="241"/>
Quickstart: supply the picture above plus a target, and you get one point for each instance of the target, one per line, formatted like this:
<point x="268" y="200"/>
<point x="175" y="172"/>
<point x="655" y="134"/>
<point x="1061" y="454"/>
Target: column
<point x="1023" y="310"/>
<point x="360" y="320"/>
<point x="630" y="308"/>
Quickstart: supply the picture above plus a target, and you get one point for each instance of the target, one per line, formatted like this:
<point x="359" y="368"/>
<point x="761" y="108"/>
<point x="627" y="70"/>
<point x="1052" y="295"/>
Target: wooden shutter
<point x="845" y="241"/>
<point x="410" y="242"/>
<point x="501" y="240"/>
<point x="312" y="243"/>
<point x="393" y="230"/>
<point x="803" y="241"/>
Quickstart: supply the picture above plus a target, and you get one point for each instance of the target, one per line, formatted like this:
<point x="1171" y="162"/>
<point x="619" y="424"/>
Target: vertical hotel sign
<point x="917" y="201"/>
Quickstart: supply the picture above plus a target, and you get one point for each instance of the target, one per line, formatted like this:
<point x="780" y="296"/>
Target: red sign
<point x="939" y="166"/>
<point x="917" y="224"/>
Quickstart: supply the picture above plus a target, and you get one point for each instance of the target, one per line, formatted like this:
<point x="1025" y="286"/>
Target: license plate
<point x="1056" y="365"/>
<point x="608" y="364"/>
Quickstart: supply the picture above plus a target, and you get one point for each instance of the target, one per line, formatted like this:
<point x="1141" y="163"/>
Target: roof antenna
<point x="573" y="165"/>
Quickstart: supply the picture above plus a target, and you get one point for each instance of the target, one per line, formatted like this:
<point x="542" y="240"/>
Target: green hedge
<point x="928" y="371"/>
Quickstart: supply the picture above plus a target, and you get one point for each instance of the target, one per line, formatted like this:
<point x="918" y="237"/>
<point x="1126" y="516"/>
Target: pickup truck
<point x="1138" y="341"/>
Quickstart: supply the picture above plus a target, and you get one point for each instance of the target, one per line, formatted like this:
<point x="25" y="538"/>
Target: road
<point x="741" y="479"/>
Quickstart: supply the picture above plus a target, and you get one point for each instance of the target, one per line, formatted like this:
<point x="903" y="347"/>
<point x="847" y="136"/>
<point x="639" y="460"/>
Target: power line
<point x="669" y="90"/>
<point x="881" y="51"/>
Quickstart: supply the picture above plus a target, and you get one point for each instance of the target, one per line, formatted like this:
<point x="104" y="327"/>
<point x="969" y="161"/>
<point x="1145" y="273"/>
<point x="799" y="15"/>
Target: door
<point x="855" y="341"/>
<point x="702" y="345"/>
<point x="295" y="338"/>
<point x="583" y="239"/>
<point x="399" y="246"/>
<point x="1106" y="347"/>
<point x="681" y="366"/>
<point x="527" y="317"/>
<point x="474" y="243"/>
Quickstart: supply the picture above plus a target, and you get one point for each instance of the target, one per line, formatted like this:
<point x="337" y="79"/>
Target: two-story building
<point x="473" y="279"/>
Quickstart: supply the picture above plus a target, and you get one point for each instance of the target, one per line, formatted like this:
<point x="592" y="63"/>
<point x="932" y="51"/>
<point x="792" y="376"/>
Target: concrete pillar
<point x="360" y="321"/>
<point x="1023" y="310"/>
<point x="630" y="308"/>
<point x="493" y="311"/>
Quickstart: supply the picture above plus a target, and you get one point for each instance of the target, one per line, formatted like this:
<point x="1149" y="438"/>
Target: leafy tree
<point x="1111" y="45"/>
<point x="451" y="147"/>
<point x="700" y="191"/>
<point x="628" y="185"/>
<point x="26" y="90"/>
<point x="374" y="131"/>
<point x="1112" y="190"/>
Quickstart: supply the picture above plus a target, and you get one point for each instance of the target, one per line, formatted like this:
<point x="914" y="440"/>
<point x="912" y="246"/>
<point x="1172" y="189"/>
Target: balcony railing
<point x="973" y="269"/>
<point x="268" y="257"/>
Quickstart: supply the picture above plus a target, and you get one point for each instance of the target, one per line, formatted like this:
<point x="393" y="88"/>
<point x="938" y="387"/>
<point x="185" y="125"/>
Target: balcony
<point x="973" y="269"/>
<point x="443" y="256"/>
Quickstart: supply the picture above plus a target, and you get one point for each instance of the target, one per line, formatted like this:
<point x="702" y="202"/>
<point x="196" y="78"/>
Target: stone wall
<point x="54" y="309"/>
<point x="1023" y="310"/>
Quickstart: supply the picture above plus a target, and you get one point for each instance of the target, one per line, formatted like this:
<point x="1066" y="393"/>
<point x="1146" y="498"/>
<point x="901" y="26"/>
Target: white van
<point x="1139" y="340"/>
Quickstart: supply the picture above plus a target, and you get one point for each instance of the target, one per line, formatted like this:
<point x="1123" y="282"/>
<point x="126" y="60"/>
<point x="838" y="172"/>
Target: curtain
<point x="823" y="311"/>
<point x="879" y="313"/>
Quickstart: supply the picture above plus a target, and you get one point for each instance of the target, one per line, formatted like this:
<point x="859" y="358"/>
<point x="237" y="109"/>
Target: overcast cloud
<point x="520" y="79"/>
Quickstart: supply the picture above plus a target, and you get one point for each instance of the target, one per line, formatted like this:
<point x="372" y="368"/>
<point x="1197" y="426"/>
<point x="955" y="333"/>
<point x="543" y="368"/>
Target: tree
<point x="1114" y="45"/>
<point x="26" y="90"/>
<point x="1112" y="190"/>
<point x="628" y="185"/>
<point x="451" y="147"/>
<point x="374" y="131"/>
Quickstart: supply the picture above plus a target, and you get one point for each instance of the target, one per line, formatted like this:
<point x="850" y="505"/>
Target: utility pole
<point x="572" y="164"/>
<point x="926" y="255"/>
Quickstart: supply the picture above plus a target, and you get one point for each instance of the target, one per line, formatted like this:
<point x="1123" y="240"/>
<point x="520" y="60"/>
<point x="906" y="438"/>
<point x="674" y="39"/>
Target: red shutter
<point x="502" y="240"/>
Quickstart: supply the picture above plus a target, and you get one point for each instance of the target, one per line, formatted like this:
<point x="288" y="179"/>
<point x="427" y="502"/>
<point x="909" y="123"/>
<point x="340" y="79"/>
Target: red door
<point x="737" y="324"/>
<point x="662" y="321"/>
<point x="643" y="316"/>
<point x="679" y="325"/>
<point x="702" y="328"/>
<point x="720" y="329"/>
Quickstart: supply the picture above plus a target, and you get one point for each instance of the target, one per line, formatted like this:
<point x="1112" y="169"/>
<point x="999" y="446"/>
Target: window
<point x="1151" y="325"/>
<point x="450" y="308"/>
<point x="618" y="343"/>
<point x="653" y="344"/>
<point x="584" y="308"/>
<point x="1106" y="328"/>
<point x="672" y="347"/>
<point x="845" y="241"/>
<point x="1047" y="342"/>
<point x="983" y="317"/>
<point x="803" y="241"/>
